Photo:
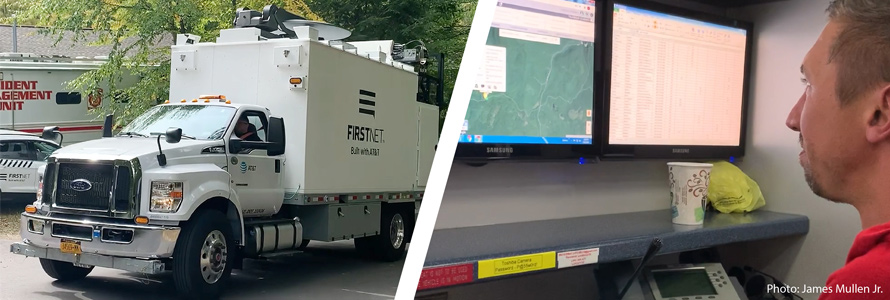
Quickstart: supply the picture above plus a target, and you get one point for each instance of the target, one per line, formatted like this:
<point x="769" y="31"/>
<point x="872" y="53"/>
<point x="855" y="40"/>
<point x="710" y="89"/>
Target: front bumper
<point x="88" y="259"/>
<point x="148" y="241"/>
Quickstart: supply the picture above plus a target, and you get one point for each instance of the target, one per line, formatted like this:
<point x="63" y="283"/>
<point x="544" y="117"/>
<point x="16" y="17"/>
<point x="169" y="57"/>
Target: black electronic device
<point x="275" y="22"/>
<point x="690" y="281"/>
<point x="534" y="97"/>
<point x="675" y="83"/>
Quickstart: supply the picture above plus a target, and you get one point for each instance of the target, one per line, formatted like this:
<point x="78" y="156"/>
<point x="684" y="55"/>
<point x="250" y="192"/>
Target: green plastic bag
<point x="731" y="191"/>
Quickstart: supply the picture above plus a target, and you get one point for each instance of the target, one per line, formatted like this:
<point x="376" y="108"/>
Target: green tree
<point x="8" y="8"/>
<point x="442" y="25"/>
<point x="135" y="29"/>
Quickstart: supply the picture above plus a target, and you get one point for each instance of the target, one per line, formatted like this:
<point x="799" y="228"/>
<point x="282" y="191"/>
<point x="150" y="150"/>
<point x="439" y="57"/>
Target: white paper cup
<point x="689" y="191"/>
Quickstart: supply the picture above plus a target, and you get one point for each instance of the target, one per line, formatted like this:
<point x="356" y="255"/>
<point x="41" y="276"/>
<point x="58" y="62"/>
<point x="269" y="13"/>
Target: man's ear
<point x="878" y="128"/>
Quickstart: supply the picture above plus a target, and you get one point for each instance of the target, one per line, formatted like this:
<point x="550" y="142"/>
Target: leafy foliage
<point x="8" y="8"/>
<point x="140" y="32"/>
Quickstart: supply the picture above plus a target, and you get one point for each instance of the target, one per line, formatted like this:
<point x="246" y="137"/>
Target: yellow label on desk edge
<point x="517" y="264"/>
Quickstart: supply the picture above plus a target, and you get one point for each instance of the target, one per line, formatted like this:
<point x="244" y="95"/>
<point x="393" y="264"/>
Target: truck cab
<point x="240" y="144"/>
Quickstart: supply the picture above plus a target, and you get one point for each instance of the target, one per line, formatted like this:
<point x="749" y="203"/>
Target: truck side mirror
<point x="276" y="136"/>
<point x="235" y="145"/>
<point x="51" y="133"/>
<point x="108" y="126"/>
<point x="173" y="135"/>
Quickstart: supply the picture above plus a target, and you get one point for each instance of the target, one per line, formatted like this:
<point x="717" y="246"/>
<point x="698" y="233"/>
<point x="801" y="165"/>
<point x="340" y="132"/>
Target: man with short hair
<point x="843" y="118"/>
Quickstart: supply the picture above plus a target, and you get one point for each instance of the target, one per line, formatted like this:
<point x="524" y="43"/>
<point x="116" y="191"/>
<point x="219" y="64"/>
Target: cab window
<point x="42" y="150"/>
<point x="15" y="150"/>
<point x="251" y="126"/>
<point x="258" y="121"/>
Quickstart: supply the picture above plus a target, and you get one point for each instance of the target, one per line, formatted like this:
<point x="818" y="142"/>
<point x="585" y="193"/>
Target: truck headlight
<point x="166" y="196"/>
<point x="39" y="189"/>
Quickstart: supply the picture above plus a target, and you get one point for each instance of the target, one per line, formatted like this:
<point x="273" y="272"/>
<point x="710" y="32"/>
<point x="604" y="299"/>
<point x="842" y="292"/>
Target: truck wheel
<point x="63" y="271"/>
<point x="390" y="244"/>
<point x="200" y="260"/>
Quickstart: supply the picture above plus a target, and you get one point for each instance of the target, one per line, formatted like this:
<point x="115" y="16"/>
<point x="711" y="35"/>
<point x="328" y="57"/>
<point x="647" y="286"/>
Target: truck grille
<point x="107" y="188"/>
<point x="98" y="178"/>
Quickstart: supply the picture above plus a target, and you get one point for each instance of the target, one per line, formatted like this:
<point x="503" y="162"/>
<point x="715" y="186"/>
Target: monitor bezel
<point x="549" y="152"/>
<point x="671" y="151"/>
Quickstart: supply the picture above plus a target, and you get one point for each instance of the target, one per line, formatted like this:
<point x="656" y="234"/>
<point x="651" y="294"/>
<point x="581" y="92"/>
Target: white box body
<point x="318" y="114"/>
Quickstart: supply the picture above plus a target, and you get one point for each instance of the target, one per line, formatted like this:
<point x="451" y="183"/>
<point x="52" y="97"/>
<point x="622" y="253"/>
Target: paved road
<point x="325" y="271"/>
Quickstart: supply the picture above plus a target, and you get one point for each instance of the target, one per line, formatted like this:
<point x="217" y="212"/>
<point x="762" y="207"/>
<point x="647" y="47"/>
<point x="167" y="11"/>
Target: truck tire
<point x="390" y="245"/>
<point x="200" y="260"/>
<point x="64" y="271"/>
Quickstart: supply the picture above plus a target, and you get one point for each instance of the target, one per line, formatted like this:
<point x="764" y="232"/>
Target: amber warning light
<point x="296" y="80"/>
<point x="221" y="98"/>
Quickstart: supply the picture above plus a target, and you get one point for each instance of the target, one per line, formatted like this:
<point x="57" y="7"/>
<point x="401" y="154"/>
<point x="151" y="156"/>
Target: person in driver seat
<point x="246" y="131"/>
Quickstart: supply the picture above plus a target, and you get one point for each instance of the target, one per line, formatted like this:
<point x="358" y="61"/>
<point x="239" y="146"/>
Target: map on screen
<point x="536" y="83"/>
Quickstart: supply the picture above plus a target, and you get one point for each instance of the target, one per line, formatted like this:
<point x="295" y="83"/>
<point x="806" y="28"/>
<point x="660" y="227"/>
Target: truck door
<point x="254" y="173"/>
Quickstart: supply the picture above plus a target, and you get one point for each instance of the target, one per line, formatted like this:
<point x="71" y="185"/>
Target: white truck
<point x="192" y="188"/>
<point x="33" y="95"/>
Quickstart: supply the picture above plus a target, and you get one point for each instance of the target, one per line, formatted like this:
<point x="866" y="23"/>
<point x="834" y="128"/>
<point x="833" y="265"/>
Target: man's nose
<point x="793" y="120"/>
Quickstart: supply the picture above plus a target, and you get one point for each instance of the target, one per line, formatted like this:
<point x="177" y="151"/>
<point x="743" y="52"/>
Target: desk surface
<point x="617" y="236"/>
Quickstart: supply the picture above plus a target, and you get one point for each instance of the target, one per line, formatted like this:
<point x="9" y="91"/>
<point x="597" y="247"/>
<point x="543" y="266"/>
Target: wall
<point x="516" y="192"/>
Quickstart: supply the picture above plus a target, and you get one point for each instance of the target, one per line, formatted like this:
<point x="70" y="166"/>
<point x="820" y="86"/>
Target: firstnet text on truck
<point x="364" y="134"/>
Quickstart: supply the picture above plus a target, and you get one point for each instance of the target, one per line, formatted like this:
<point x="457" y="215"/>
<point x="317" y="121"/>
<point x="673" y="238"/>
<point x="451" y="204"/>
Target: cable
<point x="421" y="49"/>
<point x="654" y="247"/>
<point x="418" y="41"/>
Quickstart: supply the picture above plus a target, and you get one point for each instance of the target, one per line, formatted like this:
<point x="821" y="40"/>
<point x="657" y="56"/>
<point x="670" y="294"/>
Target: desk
<point x="454" y="255"/>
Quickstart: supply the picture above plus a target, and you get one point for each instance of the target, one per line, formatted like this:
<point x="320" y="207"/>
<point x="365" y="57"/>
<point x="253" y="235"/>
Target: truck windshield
<point x="203" y="122"/>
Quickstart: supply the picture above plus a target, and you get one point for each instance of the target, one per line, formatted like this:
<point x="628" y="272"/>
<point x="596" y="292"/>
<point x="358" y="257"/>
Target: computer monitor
<point x="534" y="93"/>
<point x="676" y="84"/>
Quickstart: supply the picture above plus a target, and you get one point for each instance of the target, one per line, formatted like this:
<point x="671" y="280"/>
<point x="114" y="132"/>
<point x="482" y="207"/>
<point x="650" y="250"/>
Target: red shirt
<point x="867" y="272"/>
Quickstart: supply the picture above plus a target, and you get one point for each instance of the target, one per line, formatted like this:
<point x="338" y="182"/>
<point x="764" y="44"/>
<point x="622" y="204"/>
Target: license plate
<point x="69" y="246"/>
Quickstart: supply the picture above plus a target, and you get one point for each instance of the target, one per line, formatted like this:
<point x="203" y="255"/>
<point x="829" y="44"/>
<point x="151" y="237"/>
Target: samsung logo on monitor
<point x="681" y="151"/>
<point x="499" y="150"/>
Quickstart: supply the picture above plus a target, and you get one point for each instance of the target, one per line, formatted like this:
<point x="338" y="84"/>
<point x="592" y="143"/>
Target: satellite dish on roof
<point x="325" y="30"/>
